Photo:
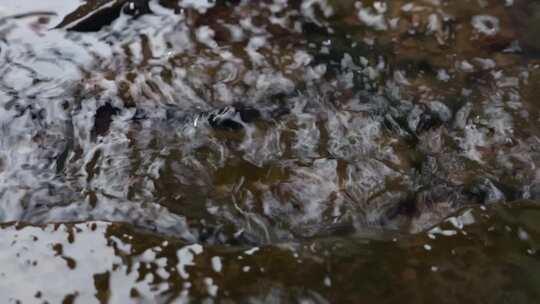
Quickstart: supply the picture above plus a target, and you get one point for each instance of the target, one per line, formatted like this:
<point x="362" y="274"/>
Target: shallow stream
<point x="315" y="151"/>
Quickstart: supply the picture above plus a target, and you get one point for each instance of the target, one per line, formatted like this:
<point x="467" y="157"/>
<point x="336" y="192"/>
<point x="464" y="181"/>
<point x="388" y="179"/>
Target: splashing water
<point x="221" y="125"/>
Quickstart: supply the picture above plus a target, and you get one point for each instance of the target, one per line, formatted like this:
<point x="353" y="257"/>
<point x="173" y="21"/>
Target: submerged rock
<point x="281" y="121"/>
<point x="95" y="14"/>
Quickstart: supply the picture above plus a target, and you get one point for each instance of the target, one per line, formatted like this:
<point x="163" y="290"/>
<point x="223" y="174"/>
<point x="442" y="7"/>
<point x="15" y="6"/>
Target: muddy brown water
<point x="279" y="151"/>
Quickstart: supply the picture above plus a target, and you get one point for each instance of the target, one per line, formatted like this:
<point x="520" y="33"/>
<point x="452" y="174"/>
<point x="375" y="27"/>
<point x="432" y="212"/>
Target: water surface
<point x="310" y="151"/>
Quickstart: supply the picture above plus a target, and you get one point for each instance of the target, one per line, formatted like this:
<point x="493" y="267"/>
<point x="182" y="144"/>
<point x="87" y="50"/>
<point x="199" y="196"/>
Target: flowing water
<point x="313" y="151"/>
